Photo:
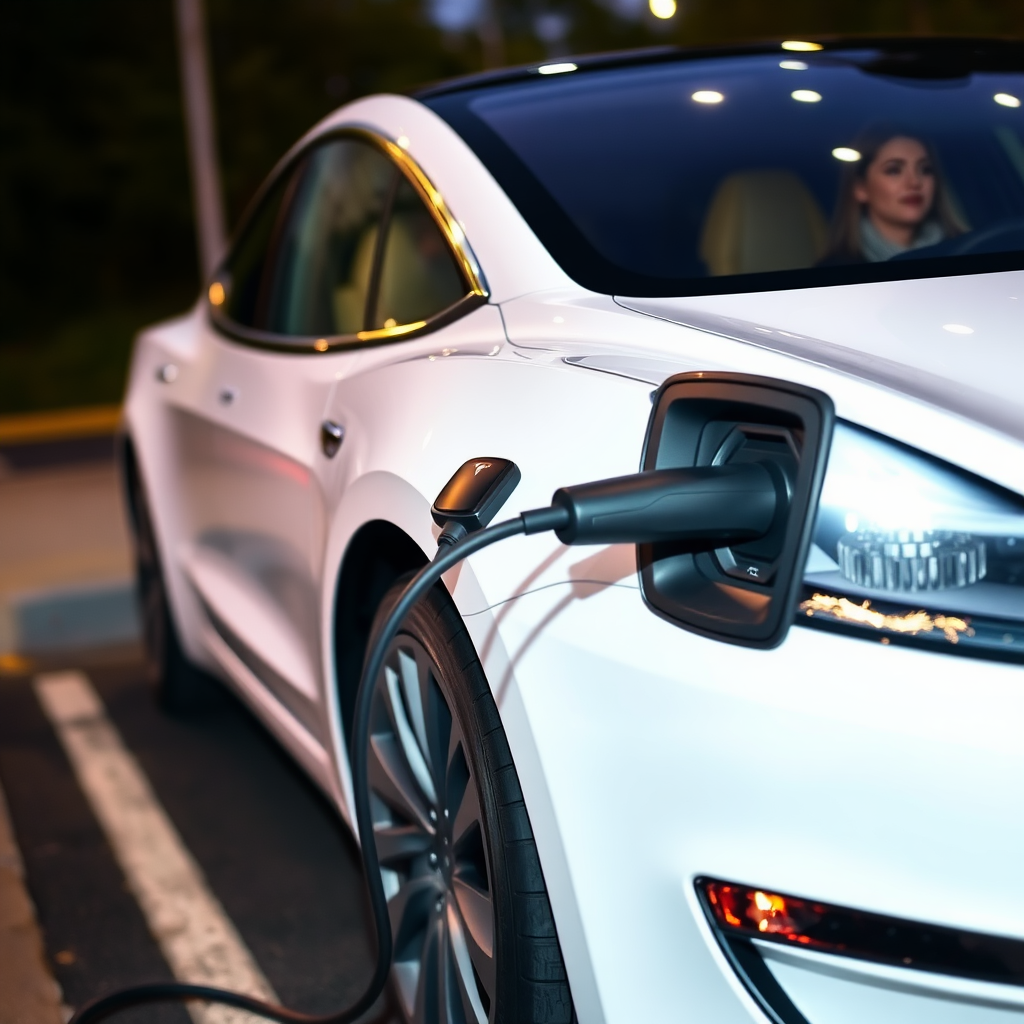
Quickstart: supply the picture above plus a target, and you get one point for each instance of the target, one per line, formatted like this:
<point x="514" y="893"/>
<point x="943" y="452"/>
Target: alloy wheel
<point x="430" y="834"/>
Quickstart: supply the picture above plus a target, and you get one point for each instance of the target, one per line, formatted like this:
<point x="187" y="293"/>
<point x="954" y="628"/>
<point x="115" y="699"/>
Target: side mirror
<point x="744" y="593"/>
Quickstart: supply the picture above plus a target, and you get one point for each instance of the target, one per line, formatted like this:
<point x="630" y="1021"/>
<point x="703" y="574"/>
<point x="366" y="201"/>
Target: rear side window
<point x="324" y="256"/>
<point x="342" y="243"/>
<point x="247" y="266"/>
<point x="418" y="275"/>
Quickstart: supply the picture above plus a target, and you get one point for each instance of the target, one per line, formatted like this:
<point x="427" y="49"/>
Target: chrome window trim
<point x="476" y="294"/>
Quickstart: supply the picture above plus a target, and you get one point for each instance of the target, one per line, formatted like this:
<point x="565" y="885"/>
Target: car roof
<point x="933" y="57"/>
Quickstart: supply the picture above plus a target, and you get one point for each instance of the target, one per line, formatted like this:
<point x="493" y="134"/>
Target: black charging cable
<point x="706" y="507"/>
<point x="448" y="556"/>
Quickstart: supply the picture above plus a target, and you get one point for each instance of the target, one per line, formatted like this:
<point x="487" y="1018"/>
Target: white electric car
<point x="588" y="808"/>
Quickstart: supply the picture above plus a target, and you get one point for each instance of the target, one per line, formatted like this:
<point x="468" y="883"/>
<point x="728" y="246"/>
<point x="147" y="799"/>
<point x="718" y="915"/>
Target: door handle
<point x="331" y="436"/>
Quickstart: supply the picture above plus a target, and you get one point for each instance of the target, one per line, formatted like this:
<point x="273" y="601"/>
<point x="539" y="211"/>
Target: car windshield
<point x="762" y="170"/>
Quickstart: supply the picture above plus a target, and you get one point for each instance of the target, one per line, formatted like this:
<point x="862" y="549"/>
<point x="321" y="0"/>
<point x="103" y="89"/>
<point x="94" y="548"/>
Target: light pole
<point x="199" y="129"/>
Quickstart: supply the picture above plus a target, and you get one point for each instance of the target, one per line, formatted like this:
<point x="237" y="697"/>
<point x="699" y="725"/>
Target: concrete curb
<point x="77" y="618"/>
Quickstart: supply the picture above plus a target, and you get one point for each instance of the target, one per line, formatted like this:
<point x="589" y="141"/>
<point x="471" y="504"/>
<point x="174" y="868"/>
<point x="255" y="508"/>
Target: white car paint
<point x="870" y="776"/>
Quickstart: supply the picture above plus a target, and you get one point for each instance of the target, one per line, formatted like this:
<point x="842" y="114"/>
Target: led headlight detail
<point x="897" y="526"/>
<point x="906" y="561"/>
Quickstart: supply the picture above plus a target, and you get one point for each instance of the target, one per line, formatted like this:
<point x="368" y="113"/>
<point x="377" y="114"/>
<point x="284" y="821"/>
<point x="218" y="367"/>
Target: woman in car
<point x="891" y="200"/>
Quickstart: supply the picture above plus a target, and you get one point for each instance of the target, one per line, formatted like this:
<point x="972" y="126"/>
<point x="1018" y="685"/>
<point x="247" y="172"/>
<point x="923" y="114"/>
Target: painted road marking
<point x="197" y="938"/>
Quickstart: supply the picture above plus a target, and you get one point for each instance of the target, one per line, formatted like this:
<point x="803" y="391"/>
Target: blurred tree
<point x="713" y="21"/>
<point x="94" y="202"/>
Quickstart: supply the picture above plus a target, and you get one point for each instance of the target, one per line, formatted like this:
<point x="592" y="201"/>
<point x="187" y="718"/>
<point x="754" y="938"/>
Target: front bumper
<point x="869" y="776"/>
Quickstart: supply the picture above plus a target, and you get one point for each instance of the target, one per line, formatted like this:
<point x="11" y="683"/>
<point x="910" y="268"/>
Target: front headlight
<point x="909" y="547"/>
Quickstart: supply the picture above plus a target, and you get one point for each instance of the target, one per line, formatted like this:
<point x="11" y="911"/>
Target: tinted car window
<point x="418" y="274"/>
<point x="743" y="172"/>
<point x="247" y="266"/>
<point x="324" y="254"/>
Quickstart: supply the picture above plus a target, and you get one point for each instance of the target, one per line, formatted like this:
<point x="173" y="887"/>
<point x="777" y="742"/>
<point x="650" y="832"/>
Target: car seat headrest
<point x="762" y="220"/>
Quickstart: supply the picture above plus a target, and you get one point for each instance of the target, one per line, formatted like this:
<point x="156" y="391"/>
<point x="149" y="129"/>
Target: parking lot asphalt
<point x="270" y="851"/>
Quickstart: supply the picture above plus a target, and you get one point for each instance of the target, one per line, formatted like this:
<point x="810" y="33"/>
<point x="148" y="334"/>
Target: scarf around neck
<point x="876" y="249"/>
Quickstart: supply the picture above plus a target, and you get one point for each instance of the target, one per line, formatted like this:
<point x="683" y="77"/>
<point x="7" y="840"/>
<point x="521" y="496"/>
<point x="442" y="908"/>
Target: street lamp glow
<point x="800" y="46"/>
<point x="663" y="9"/>
<point x="707" y="96"/>
<point x="792" y="65"/>
<point x="1005" y="99"/>
<point x="805" y="95"/>
<point x="556" y="69"/>
<point x="847" y="155"/>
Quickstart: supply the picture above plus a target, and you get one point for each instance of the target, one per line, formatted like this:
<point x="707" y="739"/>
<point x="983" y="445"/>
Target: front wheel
<point x="474" y="938"/>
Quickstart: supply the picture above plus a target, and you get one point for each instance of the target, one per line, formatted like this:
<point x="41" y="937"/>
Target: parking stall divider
<point x="197" y="938"/>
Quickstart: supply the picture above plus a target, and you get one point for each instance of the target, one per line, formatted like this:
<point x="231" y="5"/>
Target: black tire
<point x="180" y="688"/>
<point x="445" y="858"/>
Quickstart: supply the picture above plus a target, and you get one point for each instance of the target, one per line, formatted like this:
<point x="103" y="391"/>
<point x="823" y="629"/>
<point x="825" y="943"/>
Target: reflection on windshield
<point x="650" y="179"/>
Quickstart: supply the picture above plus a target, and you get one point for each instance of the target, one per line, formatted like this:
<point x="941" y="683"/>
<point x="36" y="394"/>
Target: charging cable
<point x="707" y="507"/>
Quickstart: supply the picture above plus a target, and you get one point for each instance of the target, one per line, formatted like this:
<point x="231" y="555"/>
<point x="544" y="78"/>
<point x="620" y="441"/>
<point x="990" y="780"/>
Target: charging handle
<point x="700" y="509"/>
<point x="471" y="499"/>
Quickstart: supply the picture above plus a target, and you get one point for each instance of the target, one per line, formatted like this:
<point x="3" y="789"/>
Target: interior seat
<point x="762" y="220"/>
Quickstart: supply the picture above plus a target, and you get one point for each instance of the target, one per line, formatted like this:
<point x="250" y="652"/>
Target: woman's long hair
<point x="845" y="240"/>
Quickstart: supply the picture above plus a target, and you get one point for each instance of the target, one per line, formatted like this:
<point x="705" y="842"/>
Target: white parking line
<point x="197" y="938"/>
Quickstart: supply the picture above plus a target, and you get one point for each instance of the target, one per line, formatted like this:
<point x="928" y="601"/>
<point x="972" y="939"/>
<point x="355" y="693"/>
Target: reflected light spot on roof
<point x="707" y="96"/>
<point x="556" y="69"/>
<point x="958" y="328"/>
<point x="663" y="9"/>
<point x="850" y="156"/>
<point x="800" y="46"/>
<point x="792" y="65"/>
<point x="805" y="95"/>
<point x="1005" y="99"/>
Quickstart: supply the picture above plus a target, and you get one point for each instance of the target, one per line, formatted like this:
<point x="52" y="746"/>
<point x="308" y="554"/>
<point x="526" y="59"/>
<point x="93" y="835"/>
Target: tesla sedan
<point x="624" y="783"/>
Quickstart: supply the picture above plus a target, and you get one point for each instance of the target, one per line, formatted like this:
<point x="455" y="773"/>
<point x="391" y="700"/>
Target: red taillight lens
<point x="757" y="912"/>
<point x="741" y="912"/>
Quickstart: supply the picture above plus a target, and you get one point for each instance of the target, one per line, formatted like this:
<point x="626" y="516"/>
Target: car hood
<point x="956" y="342"/>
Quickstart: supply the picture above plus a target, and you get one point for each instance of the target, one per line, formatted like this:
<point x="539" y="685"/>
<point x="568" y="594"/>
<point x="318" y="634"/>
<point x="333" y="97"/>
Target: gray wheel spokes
<point x="463" y="802"/>
<point x="429" y="831"/>
<point x="391" y="780"/>
<point x="475" y="911"/>
<point x="438" y="724"/>
<point x="398" y="844"/>
<point x="412" y="674"/>
<point x="464" y="1001"/>
<point x="394" y="698"/>
<point x="429" y="993"/>
<point x="411" y="910"/>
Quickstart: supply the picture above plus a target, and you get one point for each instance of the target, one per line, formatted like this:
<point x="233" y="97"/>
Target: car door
<point x="288" y="307"/>
<point x="342" y="253"/>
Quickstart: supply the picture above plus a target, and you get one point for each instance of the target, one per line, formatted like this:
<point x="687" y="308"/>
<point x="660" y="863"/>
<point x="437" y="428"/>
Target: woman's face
<point x="899" y="186"/>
